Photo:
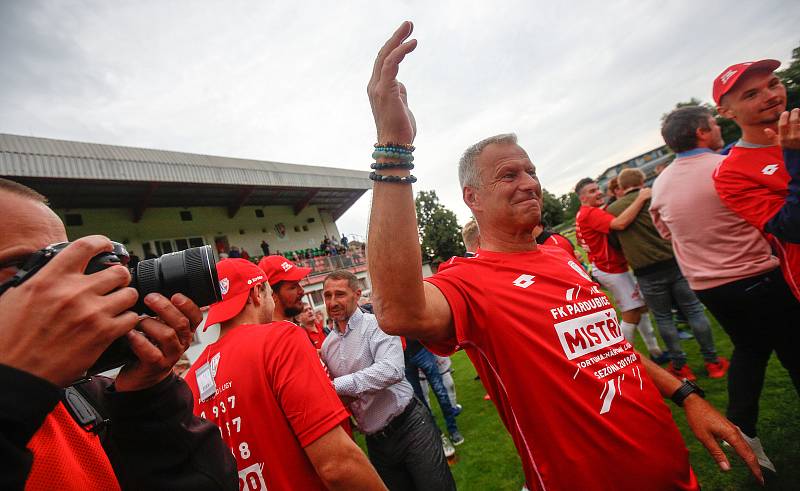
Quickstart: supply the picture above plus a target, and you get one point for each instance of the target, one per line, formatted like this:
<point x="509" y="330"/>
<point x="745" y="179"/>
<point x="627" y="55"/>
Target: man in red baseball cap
<point x="262" y="384"/>
<point x="284" y="278"/>
<point x="760" y="181"/>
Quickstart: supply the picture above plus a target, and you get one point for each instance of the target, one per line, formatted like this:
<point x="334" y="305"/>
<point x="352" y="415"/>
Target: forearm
<point x="628" y="215"/>
<point x="380" y="375"/>
<point x="394" y="259"/>
<point x="156" y="441"/>
<point x="665" y="382"/>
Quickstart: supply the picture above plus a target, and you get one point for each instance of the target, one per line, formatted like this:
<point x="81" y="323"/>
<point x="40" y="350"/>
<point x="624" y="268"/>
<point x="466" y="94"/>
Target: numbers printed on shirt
<point x="252" y="478"/>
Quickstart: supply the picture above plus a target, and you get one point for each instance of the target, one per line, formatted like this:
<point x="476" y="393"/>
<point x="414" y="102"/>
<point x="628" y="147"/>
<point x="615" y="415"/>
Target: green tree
<point x="439" y="233"/>
<point x="552" y="211"/>
<point x="790" y="77"/>
<point x="570" y="204"/>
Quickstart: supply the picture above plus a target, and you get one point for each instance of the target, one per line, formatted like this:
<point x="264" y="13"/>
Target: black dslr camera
<point x="192" y="272"/>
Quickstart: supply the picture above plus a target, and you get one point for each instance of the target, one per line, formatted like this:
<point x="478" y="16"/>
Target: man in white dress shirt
<point x="369" y="375"/>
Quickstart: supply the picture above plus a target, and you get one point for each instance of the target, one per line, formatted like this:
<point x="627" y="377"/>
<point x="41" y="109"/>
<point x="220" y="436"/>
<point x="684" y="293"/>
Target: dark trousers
<point x="409" y="456"/>
<point x="760" y="315"/>
<point x="425" y="361"/>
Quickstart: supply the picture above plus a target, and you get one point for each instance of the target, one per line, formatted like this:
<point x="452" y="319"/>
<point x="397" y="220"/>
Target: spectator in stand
<point x="576" y="424"/>
<point x="263" y="386"/>
<point x="727" y="262"/>
<point x="307" y="321"/>
<point x="319" y="319"/>
<point x="265" y="247"/>
<point x="369" y="375"/>
<point x="60" y="430"/>
<point x="234" y="253"/>
<point x="244" y="254"/>
<point x="662" y="282"/>
<point x="344" y="241"/>
<point x="593" y="224"/>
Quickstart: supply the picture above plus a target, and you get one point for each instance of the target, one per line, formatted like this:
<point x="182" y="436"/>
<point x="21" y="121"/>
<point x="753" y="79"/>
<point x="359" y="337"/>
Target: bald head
<point x="27" y="224"/>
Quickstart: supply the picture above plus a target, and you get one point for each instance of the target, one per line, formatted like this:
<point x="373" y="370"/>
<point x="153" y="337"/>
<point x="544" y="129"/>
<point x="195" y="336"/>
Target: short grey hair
<point x="467" y="170"/>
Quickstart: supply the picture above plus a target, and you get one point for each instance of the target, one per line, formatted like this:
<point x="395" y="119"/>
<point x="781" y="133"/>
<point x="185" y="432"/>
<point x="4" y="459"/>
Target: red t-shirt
<point x="754" y="183"/>
<point x="592" y="226"/>
<point x="272" y="400"/>
<point x="574" y="396"/>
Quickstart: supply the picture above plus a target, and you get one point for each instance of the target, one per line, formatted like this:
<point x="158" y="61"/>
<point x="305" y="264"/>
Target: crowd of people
<point x="274" y="402"/>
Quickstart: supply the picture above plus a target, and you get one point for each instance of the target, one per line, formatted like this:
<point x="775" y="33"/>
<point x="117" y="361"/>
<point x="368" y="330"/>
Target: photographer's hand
<point x="56" y="324"/>
<point x="161" y="341"/>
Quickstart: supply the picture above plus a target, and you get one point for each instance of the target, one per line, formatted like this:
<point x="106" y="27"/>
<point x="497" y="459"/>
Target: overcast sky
<point x="583" y="84"/>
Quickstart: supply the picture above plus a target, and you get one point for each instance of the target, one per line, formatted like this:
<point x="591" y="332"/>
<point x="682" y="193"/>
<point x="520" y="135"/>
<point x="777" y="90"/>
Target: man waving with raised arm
<point x="584" y="415"/>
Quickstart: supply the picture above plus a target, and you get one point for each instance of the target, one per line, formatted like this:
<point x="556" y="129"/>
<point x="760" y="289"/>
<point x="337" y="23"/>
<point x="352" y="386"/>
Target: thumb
<point x="771" y="134"/>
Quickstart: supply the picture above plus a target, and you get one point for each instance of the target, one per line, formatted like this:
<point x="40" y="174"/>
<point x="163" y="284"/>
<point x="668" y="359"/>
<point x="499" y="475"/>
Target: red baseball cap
<point x="278" y="268"/>
<point x="727" y="79"/>
<point x="236" y="278"/>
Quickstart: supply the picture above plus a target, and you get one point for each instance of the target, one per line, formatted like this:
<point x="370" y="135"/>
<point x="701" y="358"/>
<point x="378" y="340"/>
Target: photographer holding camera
<point x="136" y="432"/>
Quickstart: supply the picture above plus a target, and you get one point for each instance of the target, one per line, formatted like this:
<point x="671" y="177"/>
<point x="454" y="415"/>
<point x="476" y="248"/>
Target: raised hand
<point x="788" y="135"/>
<point x="394" y="121"/>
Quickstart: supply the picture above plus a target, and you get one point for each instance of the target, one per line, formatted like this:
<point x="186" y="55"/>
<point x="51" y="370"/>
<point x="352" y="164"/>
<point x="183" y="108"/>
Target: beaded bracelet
<point x="392" y="153"/>
<point x="409" y="179"/>
<point x="391" y="165"/>
<point x="406" y="146"/>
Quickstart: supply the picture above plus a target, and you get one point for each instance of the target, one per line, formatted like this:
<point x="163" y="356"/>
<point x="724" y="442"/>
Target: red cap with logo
<point x="727" y="79"/>
<point x="278" y="268"/>
<point x="236" y="278"/>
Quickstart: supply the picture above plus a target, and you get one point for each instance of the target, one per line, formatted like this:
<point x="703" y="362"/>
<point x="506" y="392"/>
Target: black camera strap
<point x="34" y="263"/>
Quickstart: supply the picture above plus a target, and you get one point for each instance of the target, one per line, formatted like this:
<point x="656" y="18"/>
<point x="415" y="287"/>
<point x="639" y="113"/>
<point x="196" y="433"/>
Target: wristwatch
<point x="688" y="387"/>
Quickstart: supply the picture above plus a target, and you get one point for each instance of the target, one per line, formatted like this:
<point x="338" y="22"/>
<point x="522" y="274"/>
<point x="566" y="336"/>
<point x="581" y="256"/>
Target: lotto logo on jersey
<point x="770" y="169"/>
<point x="589" y="333"/>
<point x="524" y="281"/>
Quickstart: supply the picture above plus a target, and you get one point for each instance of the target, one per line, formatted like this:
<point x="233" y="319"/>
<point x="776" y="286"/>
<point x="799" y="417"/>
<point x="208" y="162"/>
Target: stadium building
<point x="157" y="201"/>
<point x="647" y="162"/>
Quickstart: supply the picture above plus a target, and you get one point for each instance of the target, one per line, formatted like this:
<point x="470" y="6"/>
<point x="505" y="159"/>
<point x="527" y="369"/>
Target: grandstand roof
<point x="90" y="175"/>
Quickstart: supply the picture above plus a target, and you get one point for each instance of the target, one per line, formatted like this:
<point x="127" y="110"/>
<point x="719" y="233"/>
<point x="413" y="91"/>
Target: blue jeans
<point x="660" y="288"/>
<point x="425" y="361"/>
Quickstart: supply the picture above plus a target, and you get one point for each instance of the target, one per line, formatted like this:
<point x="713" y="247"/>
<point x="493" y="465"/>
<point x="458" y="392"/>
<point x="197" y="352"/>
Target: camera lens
<point x="192" y="272"/>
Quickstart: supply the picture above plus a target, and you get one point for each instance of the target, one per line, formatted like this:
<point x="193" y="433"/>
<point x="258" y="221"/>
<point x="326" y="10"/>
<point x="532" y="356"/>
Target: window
<point x="316" y="297"/>
<point x="186" y="216"/>
<point x="260" y="213"/>
<point x="73" y="219"/>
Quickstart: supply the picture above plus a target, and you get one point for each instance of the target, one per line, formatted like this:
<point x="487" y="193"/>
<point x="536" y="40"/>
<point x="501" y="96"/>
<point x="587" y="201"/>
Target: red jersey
<point x="558" y="240"/>
<point x="67" y="457"/>
<point x="271" y="400"/>
<point x="754" y="183"/>
<point x="316" y="338"/>
<point x="568" y="386"/>
<point x="592" y="226"/>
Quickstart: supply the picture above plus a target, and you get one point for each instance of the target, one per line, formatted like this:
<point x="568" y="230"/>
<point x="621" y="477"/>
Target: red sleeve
<point x="458" y="308"/>
<point x="747" y="198"/>
<point x="598" y="220"/>
<point x="304" y="392"/>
